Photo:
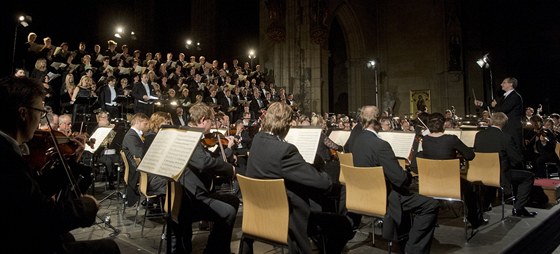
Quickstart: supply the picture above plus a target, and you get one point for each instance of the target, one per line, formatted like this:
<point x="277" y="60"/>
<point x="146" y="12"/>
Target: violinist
<point x="243" y="144"/>
<point x="200" y="202"/>
<point x="33" y="214"/>
<point x="107" y="155"/>
<point x="156" y="184"/>
<point x="540" y="147"/>
<point x="132" y="146"/>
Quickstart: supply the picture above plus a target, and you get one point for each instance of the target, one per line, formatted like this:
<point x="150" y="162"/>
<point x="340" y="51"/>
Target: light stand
<point x="24" y="21"/>
<point x="372" y="64"/>
<point x="484" y="63"/>
<point x="251" y="57"/>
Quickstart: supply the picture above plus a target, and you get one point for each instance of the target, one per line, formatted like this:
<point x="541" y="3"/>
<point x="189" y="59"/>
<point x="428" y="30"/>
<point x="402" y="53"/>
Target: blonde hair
<point x="157" y="119"/>
<point x="199" y="111"/>
<point x="369" y="115"/>
<point x="277" y="119"/>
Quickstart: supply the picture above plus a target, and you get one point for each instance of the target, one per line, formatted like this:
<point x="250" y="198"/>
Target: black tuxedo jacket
<point x="368" y="150"/>
<point x="493" y="140"/>
<point x="105" y="94"/>
<point x="133" y="146"/>
<point x="138" y="91"/>
<point x="272" y="158"/>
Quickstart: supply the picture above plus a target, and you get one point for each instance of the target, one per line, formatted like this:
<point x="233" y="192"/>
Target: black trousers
<point x="219" y="208"/>
<point x="522" y="181"/>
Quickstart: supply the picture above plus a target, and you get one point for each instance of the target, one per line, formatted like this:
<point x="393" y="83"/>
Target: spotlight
<point x="484" y="62"/>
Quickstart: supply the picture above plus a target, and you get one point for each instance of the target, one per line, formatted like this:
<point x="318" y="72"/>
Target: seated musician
<point x="540" y="146"/>
<point x="157" y="185"/>
<point x="271" y="157"/>
<point x="492" y="140"/>
<point x="369" y="150"/>
<point x="33" y="213"/>
<point x="107" y="155"/>
<point x="440" y="146"/>
<point x="200" y="202"/>
<point x="327" y="149"/>
<point x="132" y="146"/>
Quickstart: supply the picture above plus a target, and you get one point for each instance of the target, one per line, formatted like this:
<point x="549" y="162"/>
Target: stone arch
<point x="358" y="94"/>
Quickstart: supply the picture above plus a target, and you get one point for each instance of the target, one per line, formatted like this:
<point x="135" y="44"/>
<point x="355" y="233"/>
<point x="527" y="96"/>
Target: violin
<point x="211" y="139"/>
<point x="55" y="155"/>
<point x="41" y="148"/>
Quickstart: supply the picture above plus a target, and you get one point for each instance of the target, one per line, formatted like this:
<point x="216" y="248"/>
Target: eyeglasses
<point x="43" y="111"/>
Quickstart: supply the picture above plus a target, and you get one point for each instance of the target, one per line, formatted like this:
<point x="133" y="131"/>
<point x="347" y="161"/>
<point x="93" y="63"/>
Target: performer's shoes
<point x="523" y="213"/>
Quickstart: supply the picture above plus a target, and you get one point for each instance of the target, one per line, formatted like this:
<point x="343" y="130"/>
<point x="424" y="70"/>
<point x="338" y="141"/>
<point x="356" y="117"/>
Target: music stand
<point x="123" y="101"/>
<point x="86" y="103"/>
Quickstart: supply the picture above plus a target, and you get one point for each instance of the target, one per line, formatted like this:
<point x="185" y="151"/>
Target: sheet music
<point x="306" y="140"/>
<point x="58" y="65"/>
<point x="170" y="152"/>
<point x="124" y="70"/>
<point x="100" y="58"/>
<point x="453" y="132"/>
<point x="52" y="76"/>
<point x="140" y="69"/>
<point x="339" y="136"/>
<point x="99" y="135"/>
<point x="468" y="137"/>
<point x="401" y="142"/>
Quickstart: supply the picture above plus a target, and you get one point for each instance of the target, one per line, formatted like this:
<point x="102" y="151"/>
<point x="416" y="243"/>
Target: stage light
<point x="484" y="62"/>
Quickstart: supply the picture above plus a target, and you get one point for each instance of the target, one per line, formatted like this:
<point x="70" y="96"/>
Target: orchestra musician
<point x="132" y="146"/>
<point x="271" y="157"/>
<point x="34" y="214"/>
<point x="199" y="201"/>
<point x="493" y="139"/>
<point x="369" y="150"/>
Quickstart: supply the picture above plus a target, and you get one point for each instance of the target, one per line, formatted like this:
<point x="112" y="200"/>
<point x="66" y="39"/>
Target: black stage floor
<point x="512" y="235"/>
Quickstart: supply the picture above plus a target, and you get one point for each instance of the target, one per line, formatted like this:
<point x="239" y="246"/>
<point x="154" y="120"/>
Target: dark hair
<point x="16" y="92"/>
<point x="436" y="122"/>
<point x="513" y="81"/>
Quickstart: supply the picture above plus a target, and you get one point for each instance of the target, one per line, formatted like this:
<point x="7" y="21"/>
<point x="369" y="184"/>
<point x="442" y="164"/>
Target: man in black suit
<point x="133" y="145"/>
<point x="143" y="92"/>
<point x="30" y="195"/>
<point x="108" y="95"/>
<point x="369" y="150"/>
<point x="200" y="202"/>
<point x="510" y="104"/>
<point x="493" y="139"/>
<point x="179" y="118"/>
<point x="271" y="157"/>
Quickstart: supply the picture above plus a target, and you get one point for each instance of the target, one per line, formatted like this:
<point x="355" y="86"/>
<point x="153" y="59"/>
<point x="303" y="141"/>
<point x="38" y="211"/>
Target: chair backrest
<point x="366" y="191"/>
<point x="439" y="178"/>
<point x="126" y="167"/>
<point x="347" y="159"/>
<point x="265" y="208"/>
<point x="143" y="183"/>
<point x="402" y="162"/>
<point x="485" y="169"/>
<point x="176" y="197"/>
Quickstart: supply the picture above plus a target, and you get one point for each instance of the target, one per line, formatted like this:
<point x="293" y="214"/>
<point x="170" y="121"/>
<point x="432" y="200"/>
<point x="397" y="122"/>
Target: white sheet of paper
<point x="339" y="136"/>
<point x="401" y="142"/>
<point x="170" y="152"/>
<point x="99" y="135"/>
<point x="306" y="140"/>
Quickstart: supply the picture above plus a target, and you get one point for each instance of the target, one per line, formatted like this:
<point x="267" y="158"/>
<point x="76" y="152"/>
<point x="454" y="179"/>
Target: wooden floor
<point x="537" y="235"/>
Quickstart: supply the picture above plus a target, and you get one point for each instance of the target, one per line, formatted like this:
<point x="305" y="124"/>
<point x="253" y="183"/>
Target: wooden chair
<point x="441" y="179"/>
<point x="265" y="210"/>
<point x="344" y="158"/>
<point x="147" y="197"/>
<point x="485" y="169"/>
<point x="366" y="192"/>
